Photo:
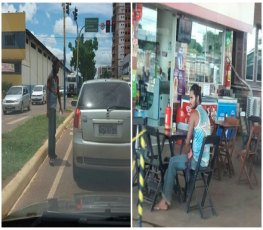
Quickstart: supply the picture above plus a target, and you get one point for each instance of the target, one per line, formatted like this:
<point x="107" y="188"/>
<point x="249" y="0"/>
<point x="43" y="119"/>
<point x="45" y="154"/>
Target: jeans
<point x="176" y="163"/>
<point x="51" y="133"/>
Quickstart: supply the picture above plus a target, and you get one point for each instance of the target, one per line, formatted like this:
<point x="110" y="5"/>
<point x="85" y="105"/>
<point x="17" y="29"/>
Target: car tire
<point x="28" y="107"/>
<point x="22" y="108"/>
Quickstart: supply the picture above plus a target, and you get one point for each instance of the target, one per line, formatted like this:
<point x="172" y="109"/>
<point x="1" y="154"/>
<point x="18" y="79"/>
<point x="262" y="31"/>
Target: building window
<point x="10" y="40"/>
<point x="33" y="45"/>
<point x="254" y="42"/>
<point x="259" y="54"/>
<point x="15" y="40"/>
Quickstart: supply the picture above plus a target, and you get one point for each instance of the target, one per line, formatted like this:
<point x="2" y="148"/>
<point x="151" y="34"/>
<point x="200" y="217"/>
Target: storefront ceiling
<point x="205" y="13"/>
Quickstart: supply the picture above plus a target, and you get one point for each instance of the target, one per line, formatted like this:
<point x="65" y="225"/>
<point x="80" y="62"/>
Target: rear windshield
<point x="104" y="95"/>
<point x="38" y="88"/>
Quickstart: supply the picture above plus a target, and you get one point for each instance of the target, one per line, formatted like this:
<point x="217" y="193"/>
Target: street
<point x="14" y="119"/>
<point x="57" y="181"/>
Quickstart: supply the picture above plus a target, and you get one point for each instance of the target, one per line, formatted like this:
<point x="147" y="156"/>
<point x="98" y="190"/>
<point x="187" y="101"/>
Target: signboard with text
<point x="91" y="24"/>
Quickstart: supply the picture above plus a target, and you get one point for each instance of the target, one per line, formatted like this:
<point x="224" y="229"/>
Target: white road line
<point x="17" y="120"/>
<point x="59" y="174"/>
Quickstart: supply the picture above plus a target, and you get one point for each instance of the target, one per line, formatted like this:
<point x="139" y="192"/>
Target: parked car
<point x="39" y="94"/>
<point x="16" y="99"/>
<point x="101" y="132"/>
<point x="61" y="91"/>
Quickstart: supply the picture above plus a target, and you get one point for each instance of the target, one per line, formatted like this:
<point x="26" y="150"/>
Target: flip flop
<point x="157" y="208"/>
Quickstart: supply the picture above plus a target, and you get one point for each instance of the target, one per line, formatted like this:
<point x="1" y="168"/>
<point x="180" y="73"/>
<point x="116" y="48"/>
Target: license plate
<point x="107" y="129"/>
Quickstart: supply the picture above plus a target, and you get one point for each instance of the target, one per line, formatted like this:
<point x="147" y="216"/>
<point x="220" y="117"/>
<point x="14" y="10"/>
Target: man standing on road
<point x="52" y="96"/>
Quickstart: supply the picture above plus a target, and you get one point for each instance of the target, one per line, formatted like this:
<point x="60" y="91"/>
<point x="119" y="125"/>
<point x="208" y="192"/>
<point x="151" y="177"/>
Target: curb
<point x="16" y="186"/>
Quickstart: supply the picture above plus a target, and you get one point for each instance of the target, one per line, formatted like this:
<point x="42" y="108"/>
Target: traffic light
<point x="67" y="7"/>
<point x="113" y="26"/>
<point x="75" y="13"/>
<point x="107" y="26"/>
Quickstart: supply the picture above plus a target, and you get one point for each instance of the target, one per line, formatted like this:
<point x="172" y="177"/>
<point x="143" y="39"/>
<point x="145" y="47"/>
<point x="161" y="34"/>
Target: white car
<point x="39" y="94"/>
<point x="16" y="99"/>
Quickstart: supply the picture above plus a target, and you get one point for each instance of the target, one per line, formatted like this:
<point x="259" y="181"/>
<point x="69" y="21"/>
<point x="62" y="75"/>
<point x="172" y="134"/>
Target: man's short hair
<point x="197" y="91"/>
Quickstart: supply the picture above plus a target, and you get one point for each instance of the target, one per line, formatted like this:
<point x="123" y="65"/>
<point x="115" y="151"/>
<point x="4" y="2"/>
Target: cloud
<point x="30" y="9"/>
<point x="8" y="8"/>
<point x="103" y="57"/>
<point x="60" y="55"/>
<point x="70" y="26"/>
<point x="47" y="40"/>
<point x="98" y="8"/>
<point x="48" y="15"/>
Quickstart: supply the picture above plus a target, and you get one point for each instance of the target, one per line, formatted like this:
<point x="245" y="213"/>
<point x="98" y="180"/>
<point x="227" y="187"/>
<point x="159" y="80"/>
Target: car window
<point x="104" y="95"/>
<point x="38" y="88"/>
<point x="14" y="91"/>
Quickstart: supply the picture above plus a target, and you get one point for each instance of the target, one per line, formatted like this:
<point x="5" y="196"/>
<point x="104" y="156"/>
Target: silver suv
<point x="16" y="99"/>
<point x="101" y="133"/>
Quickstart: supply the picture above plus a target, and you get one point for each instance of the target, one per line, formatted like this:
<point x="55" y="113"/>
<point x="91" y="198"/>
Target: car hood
<point x="13" y="97"/>
<point x="79" y="204"/>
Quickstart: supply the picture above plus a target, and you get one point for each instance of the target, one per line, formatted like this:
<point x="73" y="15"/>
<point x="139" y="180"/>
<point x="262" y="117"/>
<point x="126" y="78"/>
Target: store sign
<point x="138" y="12"/>
<point x="8" y="67"/>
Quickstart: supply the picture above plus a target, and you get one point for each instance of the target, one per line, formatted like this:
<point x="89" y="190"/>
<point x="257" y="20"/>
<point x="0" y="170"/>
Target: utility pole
<point x="65" y="7"/>
<point x="75" y="13"/>
<point x="64" y="33"/>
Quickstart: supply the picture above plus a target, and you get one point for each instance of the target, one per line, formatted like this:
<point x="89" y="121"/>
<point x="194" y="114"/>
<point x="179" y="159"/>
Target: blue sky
<point x="45" y="21"/>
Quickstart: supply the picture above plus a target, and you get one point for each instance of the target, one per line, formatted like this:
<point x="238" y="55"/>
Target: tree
<point x="106" y="74"/>
<point x="87" y="55"/>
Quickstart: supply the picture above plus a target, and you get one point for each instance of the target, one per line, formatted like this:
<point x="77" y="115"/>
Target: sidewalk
<point x="236" y="205"/>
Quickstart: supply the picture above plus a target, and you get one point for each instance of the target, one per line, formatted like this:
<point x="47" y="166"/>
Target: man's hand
<point x="190" y="154"/>
<point x="60" y="110"/>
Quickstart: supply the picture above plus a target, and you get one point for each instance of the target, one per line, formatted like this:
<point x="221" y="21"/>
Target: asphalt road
<point x="14" y="119"/>
<point x="57" y="181"/>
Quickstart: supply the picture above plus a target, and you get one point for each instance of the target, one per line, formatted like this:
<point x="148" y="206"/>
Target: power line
<point x="42" y="36"/>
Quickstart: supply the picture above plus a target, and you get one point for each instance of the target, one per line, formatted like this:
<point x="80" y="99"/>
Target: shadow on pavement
<point x="105" y="181"/>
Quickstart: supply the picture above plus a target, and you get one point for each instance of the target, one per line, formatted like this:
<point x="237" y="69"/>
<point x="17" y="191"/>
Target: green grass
<point x="19" y="145"/>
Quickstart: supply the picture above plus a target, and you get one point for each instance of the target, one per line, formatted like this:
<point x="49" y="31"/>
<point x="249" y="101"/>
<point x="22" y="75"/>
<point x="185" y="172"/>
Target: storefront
<point x="172" y="49"/>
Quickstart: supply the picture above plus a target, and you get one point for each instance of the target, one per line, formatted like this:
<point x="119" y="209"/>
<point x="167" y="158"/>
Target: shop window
<point x="259" y="55"/>
<point x="203" y="55"/>
<point x="254" y="41"/>
<point x="251" y="38"/>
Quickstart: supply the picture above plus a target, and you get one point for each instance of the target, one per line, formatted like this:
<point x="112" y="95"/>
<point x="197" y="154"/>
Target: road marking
<point x="17" y="120"/>
<point x="59" y="174"/>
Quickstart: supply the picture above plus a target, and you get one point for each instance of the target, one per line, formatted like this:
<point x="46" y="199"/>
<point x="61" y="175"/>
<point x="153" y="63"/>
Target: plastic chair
<point x="155" y="165"/>
<point x="247" y="155"/>
<point x="204" y="174"/>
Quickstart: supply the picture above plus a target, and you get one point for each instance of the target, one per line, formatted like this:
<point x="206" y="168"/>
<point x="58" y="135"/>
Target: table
<point x="227" y="141"/>
<point x="172" y="137"/>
